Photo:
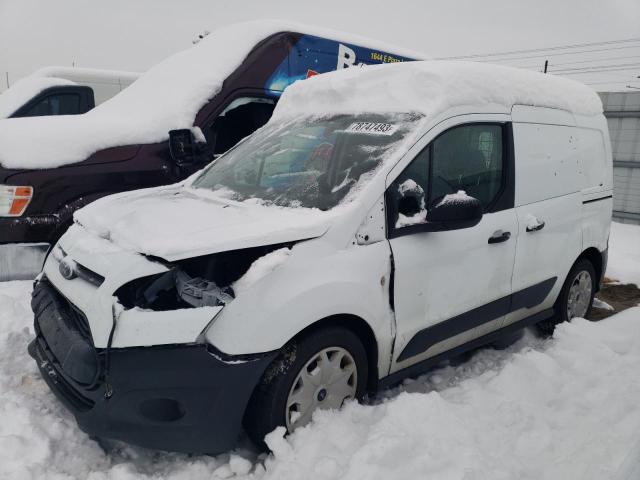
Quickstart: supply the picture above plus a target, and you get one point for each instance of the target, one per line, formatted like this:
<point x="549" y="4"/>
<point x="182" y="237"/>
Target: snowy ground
<point x="624" y="253"/>
<point x="566" y="407"/>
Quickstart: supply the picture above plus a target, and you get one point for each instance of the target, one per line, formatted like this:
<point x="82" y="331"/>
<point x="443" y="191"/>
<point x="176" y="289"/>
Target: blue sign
<point x="314" y="55"/>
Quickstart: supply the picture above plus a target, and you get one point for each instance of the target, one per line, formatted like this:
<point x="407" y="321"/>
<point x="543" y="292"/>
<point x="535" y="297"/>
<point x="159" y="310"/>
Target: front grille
<point x="53" y="376"/>
<point x="65" y="336"/>
<point x="45" y="297"/>
<point x="80" y="322"/>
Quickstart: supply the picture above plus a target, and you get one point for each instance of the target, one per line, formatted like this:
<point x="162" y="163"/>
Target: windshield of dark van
<point x="307" y="162"/>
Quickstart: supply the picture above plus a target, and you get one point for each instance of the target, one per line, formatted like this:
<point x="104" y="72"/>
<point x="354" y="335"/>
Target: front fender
<point x="305" y="289"/>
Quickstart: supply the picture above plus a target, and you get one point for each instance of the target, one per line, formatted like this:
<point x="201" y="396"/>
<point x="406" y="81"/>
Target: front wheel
<point x="317" y="372"/>
<point x="576" y="296"/>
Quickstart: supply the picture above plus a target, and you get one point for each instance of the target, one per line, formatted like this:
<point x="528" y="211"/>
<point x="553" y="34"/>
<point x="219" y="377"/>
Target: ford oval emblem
<point x="67" y="269"/>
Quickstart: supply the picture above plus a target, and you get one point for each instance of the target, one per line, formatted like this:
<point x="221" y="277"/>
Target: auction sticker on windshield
<point x="372" y="128"/>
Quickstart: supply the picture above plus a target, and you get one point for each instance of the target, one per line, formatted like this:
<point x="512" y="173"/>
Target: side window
<point x="468" y="158"/>
<point x="241" y="118"/>
<point x="59" y="104"/>
<point x="65" y="104"/>
<point x="39" y="109"/>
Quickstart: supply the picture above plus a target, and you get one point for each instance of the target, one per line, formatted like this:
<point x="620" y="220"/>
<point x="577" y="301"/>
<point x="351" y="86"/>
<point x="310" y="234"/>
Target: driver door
<point x="451" y="287"/>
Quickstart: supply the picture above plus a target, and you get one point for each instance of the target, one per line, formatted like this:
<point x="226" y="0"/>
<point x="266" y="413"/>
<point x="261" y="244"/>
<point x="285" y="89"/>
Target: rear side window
<point x="469" y="157"/>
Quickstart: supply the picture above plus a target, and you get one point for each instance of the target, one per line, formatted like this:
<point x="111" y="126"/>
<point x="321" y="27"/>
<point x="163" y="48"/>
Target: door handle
<point x="534" y="228"/>
<point x="499" y="237"/>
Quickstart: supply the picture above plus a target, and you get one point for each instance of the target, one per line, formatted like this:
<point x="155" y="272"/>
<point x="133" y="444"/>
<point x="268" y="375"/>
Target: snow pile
<point x="431" y="87"/>
<point x="543" y="409"/>
<point x="601" y="304"/>
<point x="262" y="267"/>
<point x="166" y="97"/>
<point x="24" y="90"/>
<point x="624" y="253"/>
<point x="566" y="408"/>
<point x="454" y="198"/>
<point x="81" y="74"/>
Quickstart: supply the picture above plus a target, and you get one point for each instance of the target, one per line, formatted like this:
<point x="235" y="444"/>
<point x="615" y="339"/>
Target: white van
<point x="384" y="219"/>
<point x="62" y="91"/>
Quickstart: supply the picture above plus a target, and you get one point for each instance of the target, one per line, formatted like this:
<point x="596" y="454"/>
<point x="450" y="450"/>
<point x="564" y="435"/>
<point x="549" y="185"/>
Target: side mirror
<point x="409" y="205"/>
<point x="182" y="146"/>
<point x="454" y="211"/>
<point x="186" y="150"/>
<point x="410" y="198"/>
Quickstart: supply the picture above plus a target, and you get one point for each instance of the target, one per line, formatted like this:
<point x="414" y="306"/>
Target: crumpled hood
<point x="177" y="222"/>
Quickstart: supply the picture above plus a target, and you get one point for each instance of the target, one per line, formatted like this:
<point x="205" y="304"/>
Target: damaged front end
<point x="205" y="281"/>
<point x="135" y="367"/>
<point x="178" y="397"/>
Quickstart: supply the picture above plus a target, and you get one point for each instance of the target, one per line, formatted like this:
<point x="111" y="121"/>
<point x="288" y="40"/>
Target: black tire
<point x="560" y="308"/>
<point x="266" y="408"/>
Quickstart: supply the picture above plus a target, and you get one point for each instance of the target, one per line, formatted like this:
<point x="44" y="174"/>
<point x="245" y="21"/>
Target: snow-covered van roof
<point x="166" y="97"/>
<point x="431" y="87"/>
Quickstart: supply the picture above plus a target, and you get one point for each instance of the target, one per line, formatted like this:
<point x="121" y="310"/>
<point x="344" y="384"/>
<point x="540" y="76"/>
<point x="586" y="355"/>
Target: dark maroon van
<point x="37" y="203"/>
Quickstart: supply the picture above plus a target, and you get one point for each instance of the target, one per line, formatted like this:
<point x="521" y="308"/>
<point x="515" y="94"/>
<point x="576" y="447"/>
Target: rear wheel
<point x="576" y="296"/>
<point x="319" y="371"/>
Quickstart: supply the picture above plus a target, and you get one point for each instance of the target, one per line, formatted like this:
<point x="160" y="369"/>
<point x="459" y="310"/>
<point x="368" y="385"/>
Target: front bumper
<point x="21" y="261"/>
<point x="182" y="398"/>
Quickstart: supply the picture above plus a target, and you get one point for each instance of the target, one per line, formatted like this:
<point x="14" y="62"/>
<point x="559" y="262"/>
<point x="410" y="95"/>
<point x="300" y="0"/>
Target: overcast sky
<point x="135" y="34"/>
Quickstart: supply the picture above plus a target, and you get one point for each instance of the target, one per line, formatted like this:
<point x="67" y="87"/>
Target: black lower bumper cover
<point x="179" y="398"/>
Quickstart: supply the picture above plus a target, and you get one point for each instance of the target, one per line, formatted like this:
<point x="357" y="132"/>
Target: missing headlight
<point x="199" y="292"/>
<point x="193" y="282"/>
<point x="172" y="290"/>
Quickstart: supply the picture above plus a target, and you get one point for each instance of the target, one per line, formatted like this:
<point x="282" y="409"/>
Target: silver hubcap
<point x="328" y="379"/>
<point x="579" y="295"/>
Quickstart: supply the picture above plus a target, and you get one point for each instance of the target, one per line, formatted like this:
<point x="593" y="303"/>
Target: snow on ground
<point x="624" y="253"/>
<point x="566" y="407"/>
<point x="541" y="409"/>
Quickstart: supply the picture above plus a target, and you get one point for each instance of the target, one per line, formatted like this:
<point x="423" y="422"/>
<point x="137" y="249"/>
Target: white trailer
<point x="62" y="91"/>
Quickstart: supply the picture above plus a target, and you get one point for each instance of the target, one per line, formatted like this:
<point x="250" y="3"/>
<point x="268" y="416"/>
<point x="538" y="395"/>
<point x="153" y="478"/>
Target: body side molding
<point x="526" y="298"/>
<point x="421" y="367"/>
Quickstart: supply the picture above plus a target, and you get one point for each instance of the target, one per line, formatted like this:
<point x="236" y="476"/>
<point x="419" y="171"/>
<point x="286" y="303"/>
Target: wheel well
<point x="363" y="331"/>
<point x="595" y="257"/>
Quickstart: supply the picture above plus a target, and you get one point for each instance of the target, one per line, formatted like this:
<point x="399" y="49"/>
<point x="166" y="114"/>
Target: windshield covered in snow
<point x="307" y="162"/>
